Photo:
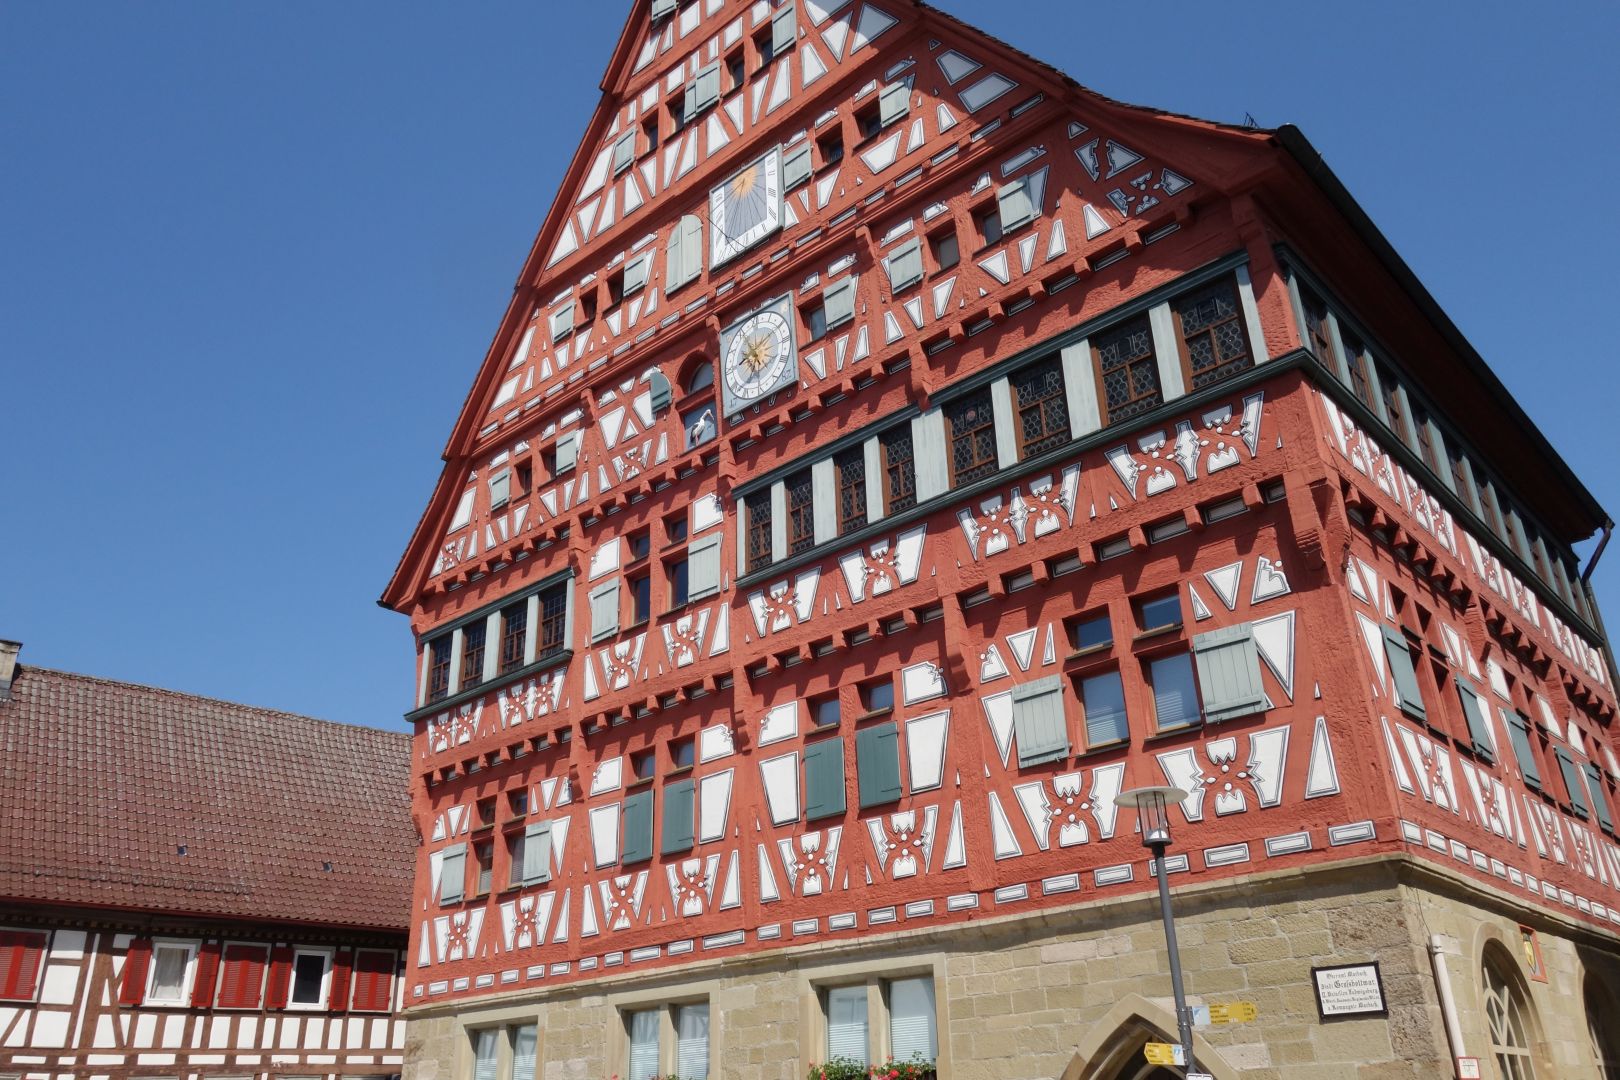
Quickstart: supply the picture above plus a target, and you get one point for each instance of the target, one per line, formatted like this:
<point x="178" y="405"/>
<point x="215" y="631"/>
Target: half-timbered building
<point x="891" y="452"/>
<point x="193" y="889"/>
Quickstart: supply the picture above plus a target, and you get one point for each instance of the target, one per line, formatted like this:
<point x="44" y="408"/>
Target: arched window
<point x="1602" y="1020"/>
<point x="699" y="376"/>
<point x="1507" y="1017"/>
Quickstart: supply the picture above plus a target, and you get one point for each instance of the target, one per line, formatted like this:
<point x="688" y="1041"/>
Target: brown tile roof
<point x="105" y="781"/>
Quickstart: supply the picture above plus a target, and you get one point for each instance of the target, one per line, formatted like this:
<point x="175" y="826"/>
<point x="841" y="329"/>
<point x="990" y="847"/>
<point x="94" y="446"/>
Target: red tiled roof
<point x="105" y="781"/>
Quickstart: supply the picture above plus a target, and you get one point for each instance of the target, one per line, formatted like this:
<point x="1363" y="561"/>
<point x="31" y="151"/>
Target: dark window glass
<point x="759" y="530"/>
<point x="1102" y="698"/>
<point x="640" y="598"/>
<point x="973" y="438"/>
<point x="946" y="249"/>
<point x="831" y="147"/>
<point x="869" y="122"/>
<point x="1319" y="336"/>
<point x="824" y="711"/>
<point x="675" y="528"/>
<point x="801" y="513"/>
<point x="989" y="225"/>
<point x="735" y="68"/>
<point x="682" y="753"/>
<point x="678" y="588"/>
<point x="1128" y="369"/>
<point x="472" y="654"/>
<point x="650" y="129"/>
<point x="514" y="629"/>
<point x="1175" y="693"/>
<point x="1425" y="438"/>
<point x="876" y="696"/>
<point x="1043" y="409"/>
<point x="1213" y="337"/>
<point x="484" y="856"/>
<point x="851" y="469"/>
<point x="309" y="971"/>
<point x="899" y="469"/>
<point x="439" y="667"/>
<point x="1391" y="389"/>
<point x="1090" y="633"/>
<point x="640" y="545"/>
<point x="700" y="378"/>
<point x="1355" y="357"/>
<point x="1161" y="611"/>
<point x="553" y="619"/>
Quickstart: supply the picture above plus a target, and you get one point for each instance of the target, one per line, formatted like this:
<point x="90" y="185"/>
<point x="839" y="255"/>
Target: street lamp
<point x="1152" y="806"/>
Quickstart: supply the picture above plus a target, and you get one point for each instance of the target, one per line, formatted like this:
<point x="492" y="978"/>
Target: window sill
<point x="510" y="889"/>
<point x="875" y="714"/>
<point x="679" y="770"/>
<point x="480" y="830"/>
<point x="639" y="782"/>
<point x="637" y="625"/>
<point x="1175" y="732"/>
<point x="1156" y="632"/>
<point x="1092" y="653"/>
<point x="1113" y="746"/>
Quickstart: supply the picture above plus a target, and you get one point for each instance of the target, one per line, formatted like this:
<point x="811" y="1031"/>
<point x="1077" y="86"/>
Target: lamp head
<point x="1152" y="806"/>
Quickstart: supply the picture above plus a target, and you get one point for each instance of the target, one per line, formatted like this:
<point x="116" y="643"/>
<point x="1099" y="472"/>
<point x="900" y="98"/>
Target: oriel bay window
<point x="972" y="431"/>
<point x="1043" y="408"/>
<point x="1127" y="369"/>
<point x="1214" y="340"/>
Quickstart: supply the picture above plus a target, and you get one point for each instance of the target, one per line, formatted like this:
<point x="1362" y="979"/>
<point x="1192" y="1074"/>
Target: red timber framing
<point x="1198" y="564"/>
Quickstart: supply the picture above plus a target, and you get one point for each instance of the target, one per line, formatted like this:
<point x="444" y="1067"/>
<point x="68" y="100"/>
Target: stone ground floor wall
<point x="1074" y="993"/>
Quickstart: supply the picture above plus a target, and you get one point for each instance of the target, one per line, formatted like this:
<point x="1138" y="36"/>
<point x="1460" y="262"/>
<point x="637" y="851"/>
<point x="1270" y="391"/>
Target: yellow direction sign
<point x="1238" y="1012"/>
<point x="1164" y="1054"/>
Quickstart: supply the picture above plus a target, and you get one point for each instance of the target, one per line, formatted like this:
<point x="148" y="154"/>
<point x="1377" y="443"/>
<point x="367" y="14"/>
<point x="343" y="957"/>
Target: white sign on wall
<point x="1349" y="990"/>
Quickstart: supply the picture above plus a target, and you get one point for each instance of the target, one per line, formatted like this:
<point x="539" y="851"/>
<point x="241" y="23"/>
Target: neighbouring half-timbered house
<point x="893" y="450"/>
<point x="193" y="889"/>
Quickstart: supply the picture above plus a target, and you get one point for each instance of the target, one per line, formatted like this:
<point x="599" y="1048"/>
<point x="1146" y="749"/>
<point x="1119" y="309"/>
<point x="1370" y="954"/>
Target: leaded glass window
<point x="553" y="619"/>
<point x="973" y="438"/>
<point x="472" y="655"/>
<point x="1212" y="333"/>
<point x="801" y="513"/>
<point x="1504" y="1014"/>
<point x="1128" y="369"/>
<point x="851" y="469"/>
<point x="438" y="668"/>
<point x="1355" y="358"/>
<point x="1043" y="407"/>
<point x="899" y="469"/>
<point x="758" y="506"/>
<point x="514" y="628"/>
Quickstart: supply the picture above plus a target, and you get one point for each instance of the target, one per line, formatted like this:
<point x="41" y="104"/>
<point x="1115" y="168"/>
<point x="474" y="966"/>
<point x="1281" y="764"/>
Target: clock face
<point x="746" y="208"/>
<point x="757" y="356"/>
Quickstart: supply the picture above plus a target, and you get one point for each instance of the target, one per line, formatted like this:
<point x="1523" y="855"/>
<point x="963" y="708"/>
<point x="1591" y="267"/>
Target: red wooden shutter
<point x="280" y="976"/>
<point x="136" y="960"/>
<point x="21" y="952"/>
<point x="202" y="987"/>
<point x="243" y="984"/>
<point x="342" y="962"/>
<point x="373" y="980"/>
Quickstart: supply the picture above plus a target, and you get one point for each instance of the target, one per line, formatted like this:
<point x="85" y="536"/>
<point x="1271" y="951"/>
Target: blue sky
<point x="251" y="255"/>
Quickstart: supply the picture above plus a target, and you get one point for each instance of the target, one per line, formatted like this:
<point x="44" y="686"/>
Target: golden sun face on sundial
<point x="756" y="352"/>
<point x="743" y="183"/>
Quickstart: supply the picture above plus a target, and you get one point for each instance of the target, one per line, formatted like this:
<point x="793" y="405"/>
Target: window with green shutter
<point x="453" y="874"/>
<point x="1600" y="801"/>
<point x="638" y="821"/>
<point x="824" y="779"/>
<point x="893" y="103"/>
<point x="1038" y="721"/>
<point x="703" y="567"/>
<point x="658" y="391"/>
<point x="663" y="8"/>
<point x="684" y="259"/>
<point x="562" y="321"/>
<point x="537" y="853"/>
<point x="635" y="275"/>
<point x="905" y="265"/>
<point x="678" y="821"/>
<point x="624" y="152"/>
<point x="567" y="452"/>
<point x="500" y="489"/>
<point x="796" y="166"/>
<point x="605" y="610"/>
<point x="1574" y="782"/>
<point x="877" y="764"/>
<point x="1403" y="674"/>
<point x="784" y="30"/>
<point x="703" y="92"/>
<point x="838" y="302"/>
<point x="1518" y="729"/>
<point x="1229" y="673"/>
<point x="1015" y="205"/>
<point x="1479" y="732"/>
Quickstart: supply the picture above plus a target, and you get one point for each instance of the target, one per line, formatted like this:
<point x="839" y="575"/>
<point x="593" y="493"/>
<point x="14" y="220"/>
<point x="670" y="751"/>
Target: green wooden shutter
<point x="624" y="152"/>
<point x="703" y="567"/>
<point x="1574" y="782"/>
<point x="661" y="8"/>
<point x="784" y="30"/>
<point x="659" y="386"/>
<point x="1600" y="803"/>
<point x="703" y="91"/>
<point x="1403" y="673"/>
<point x="537" y="853"/>
<point x="605" y="610"/>
<point x="1229" y="673"/>
<point x="675" y="258"/>
<point x="1015" y="205"/>
<point x="638" y="820"/>
<point x="1518" y="729"/>
<point x="562" y="321"/>
<point x="893" y="103"/>
<point x="796" y="167"/>
<point x="1043" y="732"/>
<point x="678" y="807"/>
<point x="1474" y="713"/>
<point x="692" y="247"/>
<point x="905" y="265"/>
<point x="839" y="302"/>
<point x="635" y="275"/>
<point x="500" y="489"/>
<point x="823" y="779"/>
<point x="877" y="764"/>
<point x="452" y="874"/>
<point x="567" y="452"/>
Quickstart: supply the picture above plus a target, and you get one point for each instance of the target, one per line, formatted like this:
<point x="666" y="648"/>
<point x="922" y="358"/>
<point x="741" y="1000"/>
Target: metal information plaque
<point x="1349" y="990"/>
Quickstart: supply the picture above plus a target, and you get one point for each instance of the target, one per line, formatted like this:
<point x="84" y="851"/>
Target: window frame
<point x="324" y="995"/>
<point x="906" y="466"/>
<point x="1053" y="434"/>
<point x="851" y="488"/>
<point x="191" y="947"/>
<point x="1137" y="402"/>
<point x="1228" y="285"/>
<point x="970" y="435"/>
<point x="878" y="977"/>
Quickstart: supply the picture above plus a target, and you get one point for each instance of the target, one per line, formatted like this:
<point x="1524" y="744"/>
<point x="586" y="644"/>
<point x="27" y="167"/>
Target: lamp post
<point x="1152" y="805"/>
